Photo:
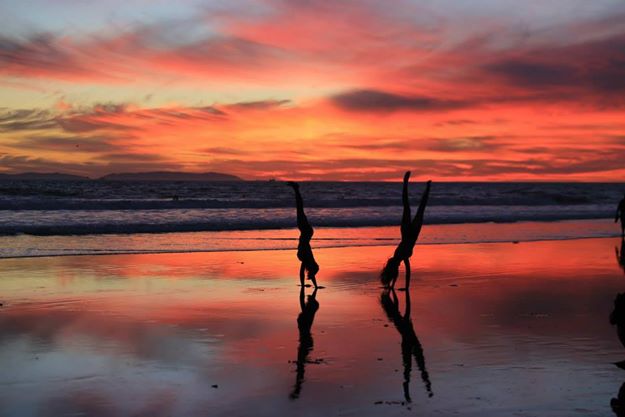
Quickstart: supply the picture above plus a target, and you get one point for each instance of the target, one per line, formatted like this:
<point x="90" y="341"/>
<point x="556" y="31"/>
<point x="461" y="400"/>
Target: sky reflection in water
<point x="504" y="329"/>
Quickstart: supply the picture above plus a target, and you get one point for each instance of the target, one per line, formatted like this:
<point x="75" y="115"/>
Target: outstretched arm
<point x="405" y="220"/>
<point x="418" y="218"/>
<point x="302" y="275"/>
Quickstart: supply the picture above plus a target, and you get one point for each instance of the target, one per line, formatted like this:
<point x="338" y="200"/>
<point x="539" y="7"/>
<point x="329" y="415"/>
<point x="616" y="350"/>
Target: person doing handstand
<point x="410" y="229"/>
<point x="304" y="251"/>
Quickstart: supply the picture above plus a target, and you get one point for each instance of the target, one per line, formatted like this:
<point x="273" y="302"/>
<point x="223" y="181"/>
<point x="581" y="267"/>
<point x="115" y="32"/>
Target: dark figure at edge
<point x="620" y="215"/>
<point x="410" y="345"/>
<point x="620" y="255"/>
<point x="410" y="229"/>
<point x="304" y="251"/>
<point x="618" y="404"/>
<point x="304" y="324"/>
<point x="617" y="318"/>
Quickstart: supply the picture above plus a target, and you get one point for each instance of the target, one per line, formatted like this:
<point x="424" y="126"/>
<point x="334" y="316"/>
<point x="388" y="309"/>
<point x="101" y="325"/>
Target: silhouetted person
<point x="304" y="324"/>
<point x="617" y="318"/>
<point x="304" y="251"/>
<point x="410" y="345"/>
<point x="620" y="215"/>
<point x="618" y="404"/>
<point x="620" y="255"/>
<point x="410" y="229"/>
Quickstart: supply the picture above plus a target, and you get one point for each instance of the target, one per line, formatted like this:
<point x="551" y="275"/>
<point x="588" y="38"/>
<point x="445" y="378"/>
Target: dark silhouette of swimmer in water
<point x="410" y="345"/>
<point x="304" y="324"/>
<point x="620" y="215"/>
<point x="620" y="255"/>
<point x="304" y="251"/>
<point x="410" y="229"/>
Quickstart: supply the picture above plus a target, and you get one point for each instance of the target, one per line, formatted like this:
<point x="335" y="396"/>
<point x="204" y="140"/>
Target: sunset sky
<point x="327" y="90"/>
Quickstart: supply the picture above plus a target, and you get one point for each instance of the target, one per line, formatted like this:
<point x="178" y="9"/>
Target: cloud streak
<point x="311" y="89"/>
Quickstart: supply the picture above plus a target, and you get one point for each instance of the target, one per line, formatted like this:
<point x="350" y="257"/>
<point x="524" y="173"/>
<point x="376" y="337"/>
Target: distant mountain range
<point x="125" y="176"/>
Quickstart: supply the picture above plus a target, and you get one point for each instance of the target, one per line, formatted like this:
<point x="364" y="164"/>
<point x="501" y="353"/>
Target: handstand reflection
<point x="304" y="324"/>
<point x="410" y="344"/>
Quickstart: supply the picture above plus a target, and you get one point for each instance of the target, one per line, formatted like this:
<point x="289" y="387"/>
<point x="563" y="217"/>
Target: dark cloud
<point x="131" y="157"/>
<point x="25" y="163"/>
<point x="66" y="143"/>
<point x="223" y="151"/>
<point x="594" y="68"/>
<point x="532" y="74"/>
<point x="258" y="105"/>
<point x="38" y="52"/>
<point x="460" y="144"/>
<point x="26" y="119"/>
<point x="121" y="56"/>
<point x="381" y="101"/>
<point x="83" y="124"/>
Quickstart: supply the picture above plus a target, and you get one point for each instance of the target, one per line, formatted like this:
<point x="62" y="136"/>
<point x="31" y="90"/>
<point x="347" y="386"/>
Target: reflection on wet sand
<point x="410" y="344"/>
<point x="617" y="318"/>
<point x="304" y="323"/>
<point x="213" y="334"/>
<point x="620" y="255"/>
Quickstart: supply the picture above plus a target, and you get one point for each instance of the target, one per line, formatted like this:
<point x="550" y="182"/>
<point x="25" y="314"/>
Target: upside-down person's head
<point x="312" y="268"/>
<point x="390" y="271"/>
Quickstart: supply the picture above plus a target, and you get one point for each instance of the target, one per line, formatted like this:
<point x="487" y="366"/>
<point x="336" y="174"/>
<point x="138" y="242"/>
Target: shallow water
<point x="505" y="329"/>
<point x="30" y="246"/>
<point x="53" y="208"/>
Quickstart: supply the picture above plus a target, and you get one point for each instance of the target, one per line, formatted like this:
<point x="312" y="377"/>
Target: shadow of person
<point x="620" y="255"/>
<point x="410" y="230"/>
<point x="410" y="344"/>
<point x="305" y="321"/>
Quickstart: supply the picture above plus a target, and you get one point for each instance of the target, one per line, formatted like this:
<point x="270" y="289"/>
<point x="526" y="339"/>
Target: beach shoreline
<point x="27" y="246"/>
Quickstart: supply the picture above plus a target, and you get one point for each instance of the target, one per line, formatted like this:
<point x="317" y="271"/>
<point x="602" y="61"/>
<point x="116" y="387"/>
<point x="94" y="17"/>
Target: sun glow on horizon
<point x="316" y="90"/>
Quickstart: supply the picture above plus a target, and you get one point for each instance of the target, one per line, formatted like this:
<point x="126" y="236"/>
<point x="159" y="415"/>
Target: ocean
<point x="39" y="218"/>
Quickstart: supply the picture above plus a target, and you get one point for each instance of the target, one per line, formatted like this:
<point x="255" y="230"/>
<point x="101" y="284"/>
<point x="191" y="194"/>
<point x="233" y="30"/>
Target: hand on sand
<point x="292" y="184"/>
<point x="406" y="176"/>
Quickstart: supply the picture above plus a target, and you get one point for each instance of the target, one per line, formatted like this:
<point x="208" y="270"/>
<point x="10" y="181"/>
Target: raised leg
<point x="302" y="220"/>
<point x="405" y="219"/>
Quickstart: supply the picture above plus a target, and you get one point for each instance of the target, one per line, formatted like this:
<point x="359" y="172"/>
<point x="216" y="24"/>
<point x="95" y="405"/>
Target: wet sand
<point x="500" y="329"/>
